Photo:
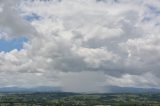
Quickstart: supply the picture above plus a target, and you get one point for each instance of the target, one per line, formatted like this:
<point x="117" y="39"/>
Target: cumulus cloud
<point x="11" y="24"/>
<point x="94" y="43"/>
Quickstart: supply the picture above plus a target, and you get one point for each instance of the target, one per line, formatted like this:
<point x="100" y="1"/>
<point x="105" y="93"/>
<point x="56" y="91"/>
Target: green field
<point x="75" y="99"/>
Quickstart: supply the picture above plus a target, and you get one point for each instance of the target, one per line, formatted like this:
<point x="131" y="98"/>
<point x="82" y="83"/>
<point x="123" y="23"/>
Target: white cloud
<point x="96" y="57"/>
<point x="146" y="80"/>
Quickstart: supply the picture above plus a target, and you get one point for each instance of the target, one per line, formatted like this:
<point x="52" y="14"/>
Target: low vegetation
<point x="74" y="99"/>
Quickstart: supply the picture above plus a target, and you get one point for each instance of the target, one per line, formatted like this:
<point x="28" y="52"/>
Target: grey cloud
<point x="91" y="81"/>
<point x="11" y="23"/>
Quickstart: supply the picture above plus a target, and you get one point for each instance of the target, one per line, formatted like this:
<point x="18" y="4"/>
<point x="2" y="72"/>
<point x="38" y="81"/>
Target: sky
<point x="80" y="45"/>
<point x="9" y="45"/>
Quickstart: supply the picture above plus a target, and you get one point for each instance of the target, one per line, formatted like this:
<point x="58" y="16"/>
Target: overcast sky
<point x="80" y="45"/>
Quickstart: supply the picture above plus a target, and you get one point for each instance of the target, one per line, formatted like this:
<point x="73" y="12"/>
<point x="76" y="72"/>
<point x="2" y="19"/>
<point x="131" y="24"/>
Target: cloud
<point x="91" y="81"/>
<point x="146" y="80"/>
<point x="11" y="24"/>
<point x="95" y="57"/>
<point x="90" y="41"/>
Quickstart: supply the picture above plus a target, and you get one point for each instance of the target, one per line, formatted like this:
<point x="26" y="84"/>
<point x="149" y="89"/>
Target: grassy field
<point x="75" y="99"/>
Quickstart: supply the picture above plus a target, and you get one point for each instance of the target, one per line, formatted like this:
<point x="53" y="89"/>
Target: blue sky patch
<point x="15" y="43"/>
<point x="32" y="17"/>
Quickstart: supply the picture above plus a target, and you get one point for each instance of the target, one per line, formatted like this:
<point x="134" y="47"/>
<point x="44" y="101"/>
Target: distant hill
<point x="109" y="89"/>
<point x="116" y="89"/>
<point x="33" y="89"/>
